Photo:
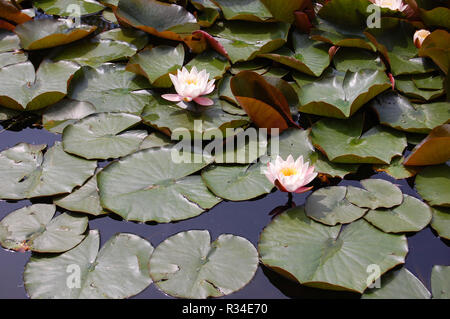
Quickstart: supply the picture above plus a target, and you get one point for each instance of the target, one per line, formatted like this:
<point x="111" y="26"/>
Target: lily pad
<point x="84" y="199"/>
<point x="284" y="10"/>
<point x="411" y="216"/>
<point x="155" y="139"/>
<point x="188" y="265"/>
<point x="440" y="282"/>
<point x="110" y="88"/>
<point x="342" y="142"/>
<point x="49" y="33"/>
<point x="398" y="284"/>
<point x="243" y="41"/>
<point x="377" y="193"/>
<point x="164" y="20"/>
<point x="156" y="64"/>
<point x="354" y="60"/>
<point x="63" y="7"/>
<point x="24" y="88"/>
<point x="435" y="47"/>
<point x="327" y="257"/>
<point x="103" y="136"/>
<point x="329" y="206"/>
<point x="32" y="228"/>
<point x="237" y="182"/>
<point x="441" y="221"/>
<point x="396" y="111"/>
<point x="211" y="61"/>
<point x="396" y="168"/>
<point x="119" y="270"/>
<point x="433" y="185"/>
<point x="346" y="92"/>
<point x="27" y="173"/>
<point x="10" y="50"/>
<point x="407" y="86"/>
<point x="251" y="10"/>
<point x="138" y="187"/>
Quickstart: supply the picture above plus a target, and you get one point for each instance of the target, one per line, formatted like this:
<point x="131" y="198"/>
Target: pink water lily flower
<point x="391" y="4"/>
<point x="290" y="176"/>
<point x="190" y="86"/>
<point x="420" y="36"/>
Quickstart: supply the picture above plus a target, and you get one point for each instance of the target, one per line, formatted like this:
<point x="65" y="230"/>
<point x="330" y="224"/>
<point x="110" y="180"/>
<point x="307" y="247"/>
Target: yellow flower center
<point x="387" y="2"/>
<point x="191" y="81"/>
<point x="423" y="33"/>
<point x="288" y="171"/>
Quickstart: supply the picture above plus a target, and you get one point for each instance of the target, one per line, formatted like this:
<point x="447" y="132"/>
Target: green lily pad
<point x="398" y="284"/>
<point x="26" y="172"/>
<point x="329" y="206"/>
<point x="325" y="257"/>
<point x="24" y="88"/>
<point x="354" y="60"/>
<point x="157" y="18"/>
<point x="433" y="185"/>
<point x="257" y="65"/>
<point x="169" y="118"/>
<point x="211" y="61"/>
<point x="251" y="10"/>
<point x="346" y="92"/>
<point x="396" y="168"/>
<point x="377" y="193"/>
<point x="155" y="139"/>
<point x="396" y="111"/>
<point x="237" y="182"/>
<point x="137" y="187"/>
<point x="407" y="86"/>
<point x="109" y="46"/>
<point x="10" y="50"/>
<point x="103" y="136"/>
<point x="63" y="7"/>
<point x="440" y="286"/>
<point x="284" y="10"/>
<point x="189" y="265"/>
<point x="110" y="88"/>
<point x="156" y="64"/>
<point x="243" y="41"/>
<point x="309" y="56"/>
<point x="49" y="33"/>
<point x="32" y="228"/>
<point x="411" y="216"/>
<point x="341" y="141"/>
<point x="119" y="270"/>
<point x="441" y="221"/>
<point x="84" y="199"/>
<point x="438" y="17"/>
<point x="56" y="117"/>
<point x="435" y="47"/>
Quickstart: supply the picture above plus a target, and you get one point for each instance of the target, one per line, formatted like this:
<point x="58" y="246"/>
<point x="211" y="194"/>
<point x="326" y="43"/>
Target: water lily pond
<point x="224" y="149"/>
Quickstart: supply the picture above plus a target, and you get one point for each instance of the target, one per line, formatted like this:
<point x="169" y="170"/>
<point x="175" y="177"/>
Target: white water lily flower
<point x="190" y="86"/>
<point x="391" y="4"/>
<point x="290" y="176"/>
<point x="419" y="37"/>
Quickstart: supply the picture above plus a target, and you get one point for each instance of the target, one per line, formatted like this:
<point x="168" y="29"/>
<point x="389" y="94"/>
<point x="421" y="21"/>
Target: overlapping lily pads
<point x="377" y="193"/>
<point x="188" y="265"/>
<point x="137" y="186"/>
<point x="32" y="228"/>
<point x="211" y="61"/>
<point x="252" y="10"/>
<point x="10" y="50"/>
<point x="103" y="136"/>
<point x="27" y="172"/>
<point x="119" y="270"/>
<point x="328" y="257"/>
<point x="64" y="8"/>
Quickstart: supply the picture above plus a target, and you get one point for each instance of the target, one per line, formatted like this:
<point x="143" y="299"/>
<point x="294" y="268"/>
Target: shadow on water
<point x="246" y="219"/>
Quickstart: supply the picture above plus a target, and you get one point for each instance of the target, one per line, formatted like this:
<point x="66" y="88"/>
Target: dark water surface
<point x="246" y="219"/>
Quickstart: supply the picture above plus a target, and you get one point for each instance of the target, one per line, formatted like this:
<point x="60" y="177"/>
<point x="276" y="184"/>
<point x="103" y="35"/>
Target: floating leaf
<point x="354" y="60"/>
<point x="251" y="10"/>
<point x="433" y="185"/>
<point x="440" y="282"/>
<point x="346" y="92"/>
<point x="245" y="40"/>
<point x="411" y="216"/>
<point x="407" y="86"/>
<point x="434" y="149"/>
<point x="119" y="270"/>
<point x="398" y="284"/>
<point x="103" y="136"/>
<point x="396" y="111"/>
<point x="49" y="33"/>
<point x="396" y="168"/>
<point x="23" y="88"/>
<point x="237" y="182"/>
<point x="27" y="173"/>
<point x="439" y="17"/>
<point x="325" y="257"/>
<point x="341" y="141"/>
<point x="310" y="57"/>
<point x="156" y="64"/>
<point x="435" y="46"/>
<point x="10" y="51"/>
<point x="283" y="10"/>
<point x="68" y="7"/>
<point x="211" y="61"/>
<point x="164" y="20"/>
<point x="377" y="193"/>
<point x="155" y="139"/>
<point x="329" y="206"/>
<point x="32" y="228"/>
<point x="189" y="265"/>
<point x="110" y="88"/>
<point x="441" y="221"/>
<point x="137" y="187"/>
